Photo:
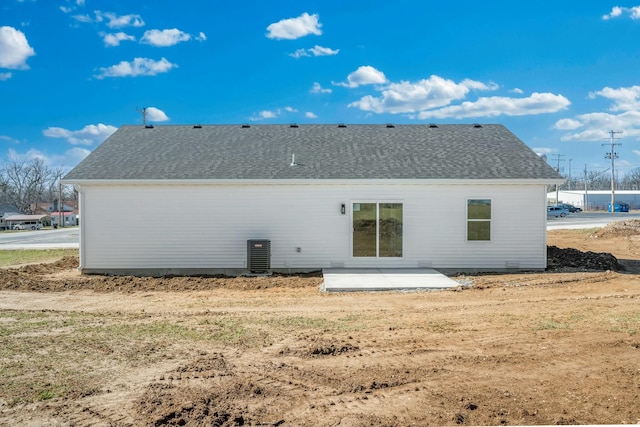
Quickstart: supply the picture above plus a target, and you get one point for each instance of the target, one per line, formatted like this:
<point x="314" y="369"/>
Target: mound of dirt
<point x="565" y="259"/>
<point x="624" y="228"/>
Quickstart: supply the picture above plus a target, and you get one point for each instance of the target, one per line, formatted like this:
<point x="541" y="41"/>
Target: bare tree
<point x="599" y="180"/>
<point x="631" y="180"/>
<point x="26" y="183"/>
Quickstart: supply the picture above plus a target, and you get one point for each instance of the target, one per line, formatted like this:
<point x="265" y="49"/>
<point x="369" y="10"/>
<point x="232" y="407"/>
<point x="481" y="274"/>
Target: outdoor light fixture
<point x="343" y="209"/>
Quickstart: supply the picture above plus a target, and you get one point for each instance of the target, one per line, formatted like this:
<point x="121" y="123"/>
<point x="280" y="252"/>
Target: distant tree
<point x="25" y="183"/>
<point x="598" y="180"/>
<point x="631" y="180"/>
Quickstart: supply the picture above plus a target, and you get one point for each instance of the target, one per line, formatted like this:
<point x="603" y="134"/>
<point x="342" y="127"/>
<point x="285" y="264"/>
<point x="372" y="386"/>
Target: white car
<point x="29" y="225"/>
<point x="556" y="211"/>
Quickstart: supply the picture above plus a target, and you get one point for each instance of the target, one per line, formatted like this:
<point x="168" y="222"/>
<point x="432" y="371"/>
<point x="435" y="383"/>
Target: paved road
<point x="40" y="239"/>
<point x="588" y="220"/>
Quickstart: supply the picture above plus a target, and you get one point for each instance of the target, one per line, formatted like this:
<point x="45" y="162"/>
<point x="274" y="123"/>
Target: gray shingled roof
<point x="321" y="152"/>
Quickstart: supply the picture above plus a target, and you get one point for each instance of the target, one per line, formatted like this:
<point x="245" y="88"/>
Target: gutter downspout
<point x="81" y="251"/>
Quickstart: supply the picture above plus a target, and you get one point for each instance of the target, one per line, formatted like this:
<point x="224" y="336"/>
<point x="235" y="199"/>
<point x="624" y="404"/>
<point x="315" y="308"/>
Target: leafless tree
<point x="25" y="183"/>
<point x="631" y="180"/>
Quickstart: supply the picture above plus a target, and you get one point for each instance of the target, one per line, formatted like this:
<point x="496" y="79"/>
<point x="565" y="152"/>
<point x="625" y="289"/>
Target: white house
<point x="69" y="219"/>
<point x="451" y="197"/>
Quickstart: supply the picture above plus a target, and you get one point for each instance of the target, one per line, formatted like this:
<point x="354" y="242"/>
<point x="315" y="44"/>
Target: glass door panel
<point x="365" y="229"/>
<point x="390" y="224"/>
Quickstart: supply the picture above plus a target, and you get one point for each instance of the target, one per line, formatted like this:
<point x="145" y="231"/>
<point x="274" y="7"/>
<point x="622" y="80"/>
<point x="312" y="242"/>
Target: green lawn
<point x="26" y="256"/>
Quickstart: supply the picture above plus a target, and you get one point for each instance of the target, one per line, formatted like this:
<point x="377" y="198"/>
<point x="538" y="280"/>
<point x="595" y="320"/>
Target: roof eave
<point x="502" y="181"/>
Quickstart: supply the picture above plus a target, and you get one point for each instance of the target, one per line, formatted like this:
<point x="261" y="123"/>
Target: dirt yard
<point x="561" y="347"/>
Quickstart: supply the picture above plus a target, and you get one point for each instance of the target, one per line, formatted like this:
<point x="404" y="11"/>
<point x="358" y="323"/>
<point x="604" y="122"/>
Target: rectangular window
<point x="377" y="230"/>
<point x="479" y="219"/>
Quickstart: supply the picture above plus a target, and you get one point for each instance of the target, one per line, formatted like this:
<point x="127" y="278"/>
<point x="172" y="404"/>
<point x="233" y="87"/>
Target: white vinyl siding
<point x="206" y="226"/>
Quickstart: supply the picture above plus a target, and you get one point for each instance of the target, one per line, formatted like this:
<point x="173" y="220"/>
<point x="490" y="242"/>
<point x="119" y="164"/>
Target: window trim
<point x="468" y="220"/>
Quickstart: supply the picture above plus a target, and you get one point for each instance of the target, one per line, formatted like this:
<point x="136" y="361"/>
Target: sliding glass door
<point x="377" y="230"/>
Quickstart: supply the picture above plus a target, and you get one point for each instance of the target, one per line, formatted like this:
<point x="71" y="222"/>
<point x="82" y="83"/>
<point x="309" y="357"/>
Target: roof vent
<point x="244" y="126"/>
<point x="477" y="125"/>
<point x="433" y="125"/>
<point x="389" y="125"/>
<point x="342" y="125"/>
<point x="293" y="160"/>
<point x="197" y="126"/>
<point x="148" y="126"/>
<point x="293" y="125"/>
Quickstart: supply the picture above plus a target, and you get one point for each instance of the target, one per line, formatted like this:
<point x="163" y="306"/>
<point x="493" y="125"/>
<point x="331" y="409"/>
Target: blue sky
<point x="560" y="75"/>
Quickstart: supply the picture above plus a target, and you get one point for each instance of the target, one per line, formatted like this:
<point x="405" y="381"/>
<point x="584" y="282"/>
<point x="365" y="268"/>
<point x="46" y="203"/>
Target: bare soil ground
<point x="559" y="347"/>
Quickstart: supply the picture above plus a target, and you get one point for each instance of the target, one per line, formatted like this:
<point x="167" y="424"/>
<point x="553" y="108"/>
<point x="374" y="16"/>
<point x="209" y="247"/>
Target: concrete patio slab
<point x="384" y="279"/>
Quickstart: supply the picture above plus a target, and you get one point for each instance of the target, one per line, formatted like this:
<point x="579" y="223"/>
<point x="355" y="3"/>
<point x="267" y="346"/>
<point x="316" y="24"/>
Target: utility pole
<point x="570" y="160"/>
<point x="586" y="195"/>
<point x="558" y="158"/>
<point x="613" y="156"/>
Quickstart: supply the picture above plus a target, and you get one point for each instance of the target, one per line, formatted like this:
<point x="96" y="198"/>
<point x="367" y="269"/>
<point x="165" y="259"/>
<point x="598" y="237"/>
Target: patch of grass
<point x="629" y="324"/>
<point x="292" y="323"/>
<point x="549" y="324"/>
<point x="27" y="256"/>
<point x="441" y="326"/>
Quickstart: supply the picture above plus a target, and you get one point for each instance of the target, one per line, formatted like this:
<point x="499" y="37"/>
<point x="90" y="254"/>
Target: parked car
<point x="570" y="208"/>
<point x="28" y="225"/>
<point x="556" y="211"/>
<point x="619" y="207"/>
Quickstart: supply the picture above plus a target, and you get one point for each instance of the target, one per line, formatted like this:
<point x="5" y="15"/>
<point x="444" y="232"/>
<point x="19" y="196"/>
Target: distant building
<point x="595" y="200"/>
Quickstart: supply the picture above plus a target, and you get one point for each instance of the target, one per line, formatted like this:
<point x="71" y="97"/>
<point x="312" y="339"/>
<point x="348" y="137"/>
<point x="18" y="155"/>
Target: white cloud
<point x="88" y="135"/>
<point x="364" y="75"/>
<point x="14" y="49"/>
<point x="624" y="98"/>
<point x="310" y="115"/>
<point x="137" y="67"/>
<point x="314" y="51"/>
<point x="517" y="90"/>
<point x="83" y="18"/>
<point x="272" y="114"/>
<point x="294" y="28"/>
<point x="323" y="51"/>
<point x="636" y="152"/>
<point x="156" y="115"/>
<point x="115" y="38"/>
<point x="617" y="11"/>
<point x="406" y="97"/>
<point x="9" y="139"/>
<point x="201" y="36"/>
<point x="596" y="125"/>
<point x="65" y="9"/>
<point x="266" y="114"/>
<point x="163" y="38"/>
<point x="67" y="160"/>
<point x="299" y="53"/>
<point x="537" y="103"/>
<point x="115" y="21"/>
<point x="317" y="88"/>
<point x="5" y="76"/>
<point x="543" y="150"/>
<point x="567" y="124"/>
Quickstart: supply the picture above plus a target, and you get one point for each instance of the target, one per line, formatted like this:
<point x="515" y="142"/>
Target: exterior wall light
<point x="343" y="209"/>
